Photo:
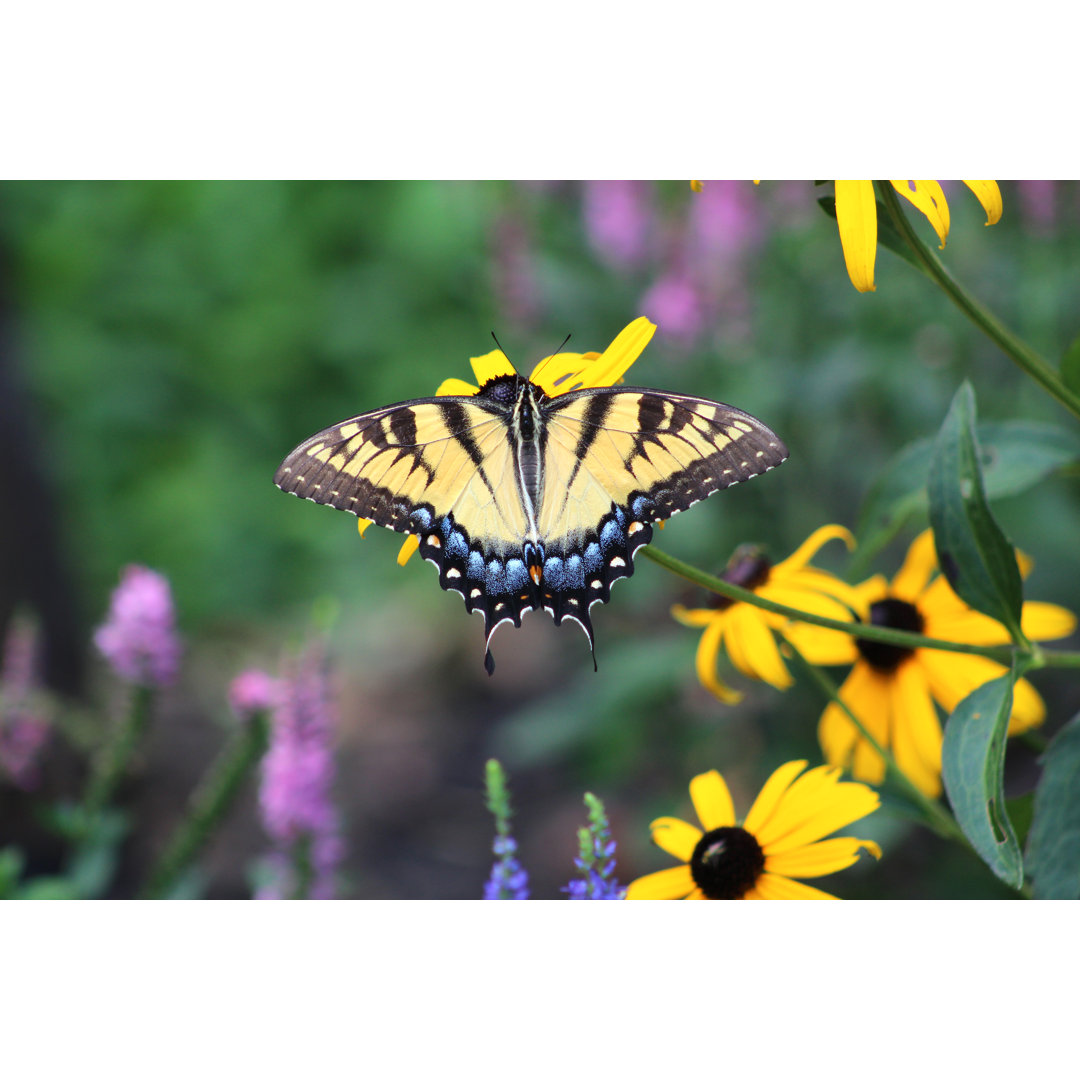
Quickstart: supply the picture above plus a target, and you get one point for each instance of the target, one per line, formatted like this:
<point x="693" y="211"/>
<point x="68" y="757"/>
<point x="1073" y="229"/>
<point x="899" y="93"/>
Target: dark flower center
<point x="726" y="863"/>
<point x="748" y="567"/>
<point x="898" y="615"/>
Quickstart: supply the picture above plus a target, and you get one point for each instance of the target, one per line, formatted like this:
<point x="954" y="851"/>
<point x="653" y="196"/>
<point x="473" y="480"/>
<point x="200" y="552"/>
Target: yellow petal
<point x="456" y="388"/>
<point x="856" y="215"/>
<point x="695" y="617"/>
<point x="697" y="185"/>
<point x="811" y="546"/>
<point x="621" y="353"/>
<point x="824" y="857"/>
<point x="919" y="563"/>
<point x="490" y="366"/>
<point x="989" y="195"/>
<point x="1028" y="709"/>
<point x="752" y="648"/>
<point x="916" y="729"/>
<point x="705" y="663"/>
<point x="712" y="800"/>
<point x="928" y="198"/>
<point x="866" y="693"/>
<point x="773" y="887"/>
<point x="676" y="837"/>
<point x="407" y="549"/>
<point x="769" y="796"/>
<point x="363" y="524"/>
<point x="671" y="884"/>
<point x="1044" y="622"/>
<point x="817" y="804"/>
<point x="561" y="372"/>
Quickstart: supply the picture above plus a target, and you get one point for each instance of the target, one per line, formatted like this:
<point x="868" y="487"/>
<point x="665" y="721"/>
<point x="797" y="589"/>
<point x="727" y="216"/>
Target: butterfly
<point x="522" y="500"/>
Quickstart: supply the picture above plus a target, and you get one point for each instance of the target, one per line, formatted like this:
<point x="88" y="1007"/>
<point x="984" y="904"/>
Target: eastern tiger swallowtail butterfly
<point x="522" y="500"/>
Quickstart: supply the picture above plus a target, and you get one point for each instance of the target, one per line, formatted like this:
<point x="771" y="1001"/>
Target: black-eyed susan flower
<point x="780" y="839"/>
<point x="556" y="374"/>
<point x="746" y="632"/>
<point x="856" y="214"/>
<point x="892" y="690"/>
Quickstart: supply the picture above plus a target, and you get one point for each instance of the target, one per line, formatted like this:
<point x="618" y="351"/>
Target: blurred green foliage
<point x="178" y="339"/>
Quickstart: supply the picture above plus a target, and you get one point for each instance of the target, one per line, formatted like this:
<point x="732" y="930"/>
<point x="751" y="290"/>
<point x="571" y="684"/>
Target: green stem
<point x="937" y="818"/>
<point x="209" y="803"/>
<point x="904" y="639"/>
<point x="1014" y="347"/>
<point x="113" y="762"/>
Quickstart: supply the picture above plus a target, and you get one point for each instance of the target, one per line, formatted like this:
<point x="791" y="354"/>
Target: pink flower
<point x="253" y="691"/>
<point x="675" y="305"/>
<point x="618" y="219"/>
<point x="139" y="636"/>
<point x="24" y="723"/>
<point x="297" y="777"/>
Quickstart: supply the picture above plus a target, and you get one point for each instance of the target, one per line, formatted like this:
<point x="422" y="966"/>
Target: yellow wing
<point x="618" y="460"/>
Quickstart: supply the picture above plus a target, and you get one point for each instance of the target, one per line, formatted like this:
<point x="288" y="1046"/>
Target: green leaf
<point x="887" y="235"/>
<point x="11" y="867"/>
<point x="1070" y="367"/>
<point x="973" y="767"/>
<point x="972" y="550"/>
<point x="1053" y="851"/>
<point x="49" y="888"/>
<point x="1015" y="454"/>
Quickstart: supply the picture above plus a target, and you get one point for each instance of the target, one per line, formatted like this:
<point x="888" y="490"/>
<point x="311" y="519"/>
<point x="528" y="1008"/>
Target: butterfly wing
<point x="443" y="469"/>
<point x="619" y="459"/>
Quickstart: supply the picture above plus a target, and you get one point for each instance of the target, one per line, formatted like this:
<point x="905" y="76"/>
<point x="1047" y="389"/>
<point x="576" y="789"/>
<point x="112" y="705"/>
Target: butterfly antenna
<point x="502" y="350"/>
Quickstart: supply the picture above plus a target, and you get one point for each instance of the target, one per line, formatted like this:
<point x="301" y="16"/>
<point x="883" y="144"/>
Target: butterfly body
<point x="525" y="501"/>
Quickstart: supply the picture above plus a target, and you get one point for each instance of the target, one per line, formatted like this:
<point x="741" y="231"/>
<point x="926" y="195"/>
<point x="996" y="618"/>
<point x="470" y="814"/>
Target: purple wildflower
<point x="724" y="222"/>
<point x="24" y="723"/>
<point x="509" y="879"/>
<point x="253" y="691"/>
<point x="596" y="862"/>
<point x="618" y="220"/>
<point x="139" y="636"/>
<point x="515" y="280"/>
<point x="675" y="305"/>
<point x="298" y="773"/>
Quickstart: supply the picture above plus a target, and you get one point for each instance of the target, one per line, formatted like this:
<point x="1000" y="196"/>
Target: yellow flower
<point x="856" y="214"/>
<point x="892" y="690"/>
<point x="746" y="632"/>
<point x="780" y="839"/>
<point x="556" y="374"/>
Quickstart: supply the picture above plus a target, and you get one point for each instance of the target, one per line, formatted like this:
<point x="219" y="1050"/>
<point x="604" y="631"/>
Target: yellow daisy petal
<point x="812" y="545"/>
<point x="773" y="887"/>
<point x="1044" y="622"/>
<point x="821" y="582"/>
<point x="989" y="195"/>
<point x="695" y="617"/>
<point x="817" y="804"/>
<point x="752" y="648"/>
<point x="562" y="372"/>
<point x="867" y="695"/>
<point x="770" y="794"/>
<point x="363" y="524"/>
<point x="490" y="366"/>
<point x="712" y="800"/>
<point x="928" y="198"/>
<point x="919" y="563"/>
<point x="456" y="388"/>
<point x="676" y="837"/>
<point x="408" y="548"/>
<point x="672" y="884"/>
<point x="705" y="663"/>
<point x="697" y="185"/>
<point x="620" y="354"/>
<point x="871" y="591"/>
<point x="916" y="730"/>
<point x="856" y="215"/>
<point x="824" y="857"/>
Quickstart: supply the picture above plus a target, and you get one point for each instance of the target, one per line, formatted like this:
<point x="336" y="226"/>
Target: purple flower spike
<point x="618" y="219"/>
<point x="298" y="773"/>
<point x="24" y="724"/>
<point x="253" y="691"/>
<point x="139" y="636"/>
